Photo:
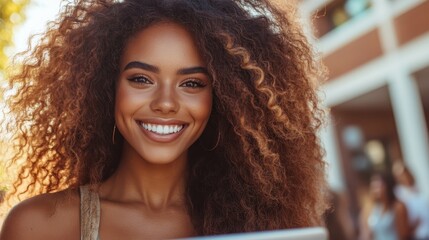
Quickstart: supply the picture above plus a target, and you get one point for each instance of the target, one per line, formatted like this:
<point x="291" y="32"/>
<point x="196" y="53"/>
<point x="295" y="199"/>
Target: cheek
<point x="201" y="107"/>
<point x="121" y="101"/>
<point x="127" y="102"/>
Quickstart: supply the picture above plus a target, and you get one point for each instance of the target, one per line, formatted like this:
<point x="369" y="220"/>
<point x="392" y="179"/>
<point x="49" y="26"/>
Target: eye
<point x="140" y="80"/>
<point x="193" y="83"/>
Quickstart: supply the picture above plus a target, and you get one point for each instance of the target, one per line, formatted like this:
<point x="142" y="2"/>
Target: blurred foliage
<point x="11" y="14"/>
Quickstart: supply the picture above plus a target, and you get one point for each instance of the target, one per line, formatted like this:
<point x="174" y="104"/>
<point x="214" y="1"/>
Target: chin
<point x="163" y="157"/>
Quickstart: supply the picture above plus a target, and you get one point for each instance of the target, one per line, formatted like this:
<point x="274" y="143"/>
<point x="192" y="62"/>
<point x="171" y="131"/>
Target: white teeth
<point x="162" y="129"/>
<point x="159" y="129"/>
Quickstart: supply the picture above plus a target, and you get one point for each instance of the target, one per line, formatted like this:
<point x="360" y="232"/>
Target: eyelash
<point x="195" y="83"/>
<point x="142" y="80"/>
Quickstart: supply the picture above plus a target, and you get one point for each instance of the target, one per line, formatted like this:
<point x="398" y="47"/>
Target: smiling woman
<point x="163" y="94"/>
<point x="154" y="119"/>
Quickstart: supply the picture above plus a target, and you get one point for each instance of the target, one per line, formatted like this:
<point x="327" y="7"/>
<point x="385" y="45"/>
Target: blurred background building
<point x="377" y="55"/>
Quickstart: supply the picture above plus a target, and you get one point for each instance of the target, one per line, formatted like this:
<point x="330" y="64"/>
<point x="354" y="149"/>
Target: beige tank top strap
<point x="89" y="214"/>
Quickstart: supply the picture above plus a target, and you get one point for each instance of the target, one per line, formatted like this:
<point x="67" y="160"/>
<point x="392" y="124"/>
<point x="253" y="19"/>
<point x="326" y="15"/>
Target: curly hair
<point x="266" y="172"/>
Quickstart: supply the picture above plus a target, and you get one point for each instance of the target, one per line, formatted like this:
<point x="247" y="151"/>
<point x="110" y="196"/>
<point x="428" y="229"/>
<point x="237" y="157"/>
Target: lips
<point x="162" y="130"/>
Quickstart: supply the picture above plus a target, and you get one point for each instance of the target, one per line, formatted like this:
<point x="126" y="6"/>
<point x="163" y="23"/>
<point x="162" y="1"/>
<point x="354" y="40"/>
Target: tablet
<point x="314" y="233"/>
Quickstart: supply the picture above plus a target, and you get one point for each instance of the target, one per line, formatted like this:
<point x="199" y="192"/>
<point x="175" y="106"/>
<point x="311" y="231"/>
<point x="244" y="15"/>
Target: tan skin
<point x="163" y="81"/>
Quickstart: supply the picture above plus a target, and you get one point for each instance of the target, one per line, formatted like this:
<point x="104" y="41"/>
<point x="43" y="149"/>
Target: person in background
<point x="386" y="218"/>
<point x="417" y="205"/>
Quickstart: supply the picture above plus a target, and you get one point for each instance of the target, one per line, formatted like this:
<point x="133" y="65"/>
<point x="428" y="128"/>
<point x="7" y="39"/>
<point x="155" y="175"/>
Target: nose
<point x="165" y="100"/>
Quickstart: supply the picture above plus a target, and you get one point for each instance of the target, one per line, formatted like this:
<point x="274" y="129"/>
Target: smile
<point x="162" y="129"/>
<point x="162" y="132"/>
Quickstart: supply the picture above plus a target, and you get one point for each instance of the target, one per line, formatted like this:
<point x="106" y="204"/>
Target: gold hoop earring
<point x="113" y="134"/>
<point x="217" y="143"/>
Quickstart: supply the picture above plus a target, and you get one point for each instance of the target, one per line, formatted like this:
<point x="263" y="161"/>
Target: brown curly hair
<point x="267" y="171"/>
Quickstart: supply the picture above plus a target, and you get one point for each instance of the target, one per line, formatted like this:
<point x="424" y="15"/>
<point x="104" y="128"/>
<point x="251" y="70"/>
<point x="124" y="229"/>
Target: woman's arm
<point x="364" y="230"/>
<point x="401" y="221"/>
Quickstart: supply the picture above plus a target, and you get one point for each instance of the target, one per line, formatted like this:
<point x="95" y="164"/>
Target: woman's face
<point x="163" y="95"/>
<point x="377" y="188"/>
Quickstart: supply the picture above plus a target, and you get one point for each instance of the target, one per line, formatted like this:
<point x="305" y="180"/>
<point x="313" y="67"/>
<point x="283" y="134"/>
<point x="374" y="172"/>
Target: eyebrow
<point x="151" y="68"/>
<point x="191" y="70"/>
<point x="141" y="65"/>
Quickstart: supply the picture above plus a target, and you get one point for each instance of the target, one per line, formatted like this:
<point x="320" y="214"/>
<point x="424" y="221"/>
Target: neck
<point x="157" y="186"/>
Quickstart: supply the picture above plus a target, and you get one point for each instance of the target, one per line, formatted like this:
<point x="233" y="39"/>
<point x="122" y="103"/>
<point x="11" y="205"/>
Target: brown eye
<point x="194" y="83"/>
<point x="140" y="80"/>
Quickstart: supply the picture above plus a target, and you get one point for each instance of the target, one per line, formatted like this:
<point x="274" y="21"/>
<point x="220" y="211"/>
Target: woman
<point x="387" y="218"/>
<point x="168" y="118"/>
<point x="417" y="206"/>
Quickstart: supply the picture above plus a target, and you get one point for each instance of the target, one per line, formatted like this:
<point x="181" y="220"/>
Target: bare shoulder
<point x="47" y="216"/>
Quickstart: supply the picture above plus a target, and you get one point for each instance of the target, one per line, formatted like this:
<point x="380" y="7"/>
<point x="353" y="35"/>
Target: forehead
<point x="167" y="44"/>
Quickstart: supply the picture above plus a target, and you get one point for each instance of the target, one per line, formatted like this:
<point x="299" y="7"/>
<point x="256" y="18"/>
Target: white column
<point x="406" y="101"/>
<point x="411" y="126"/>
<point x="329" y="143"/>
